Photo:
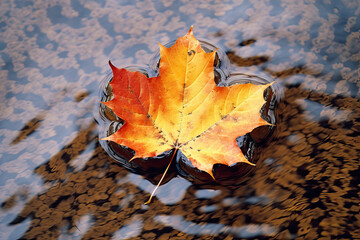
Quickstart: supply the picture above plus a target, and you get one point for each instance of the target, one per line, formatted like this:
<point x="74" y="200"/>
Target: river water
<point x="57" y="182"/>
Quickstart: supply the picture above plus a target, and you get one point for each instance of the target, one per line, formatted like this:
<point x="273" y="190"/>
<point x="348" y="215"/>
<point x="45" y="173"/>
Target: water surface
<point x="56" y="182"/>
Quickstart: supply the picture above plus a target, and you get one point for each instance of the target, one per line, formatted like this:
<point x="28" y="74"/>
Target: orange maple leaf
<point x="183" y="108"/>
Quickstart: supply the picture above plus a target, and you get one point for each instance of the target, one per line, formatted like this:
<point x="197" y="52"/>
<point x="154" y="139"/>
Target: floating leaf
<point x="183" y="108"/>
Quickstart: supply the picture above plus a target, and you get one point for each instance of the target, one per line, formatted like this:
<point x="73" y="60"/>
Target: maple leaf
<point x="183" y="108"/>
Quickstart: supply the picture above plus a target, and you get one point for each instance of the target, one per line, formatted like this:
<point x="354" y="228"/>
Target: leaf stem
<point x="167" y="168"/>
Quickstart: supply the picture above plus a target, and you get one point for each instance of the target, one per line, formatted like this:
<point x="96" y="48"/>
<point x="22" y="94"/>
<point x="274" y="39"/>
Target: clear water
<point x="57" y="182"/>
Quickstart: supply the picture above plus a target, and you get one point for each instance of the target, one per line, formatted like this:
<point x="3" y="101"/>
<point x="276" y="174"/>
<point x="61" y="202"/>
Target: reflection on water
<point x="56" y="182"/>
<point x="82" y="226"/>
<point x="207" y="193"/>
<point x="130" y="230"/>
<point x="168" y="194"/>
<point x="249" y="231"/>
